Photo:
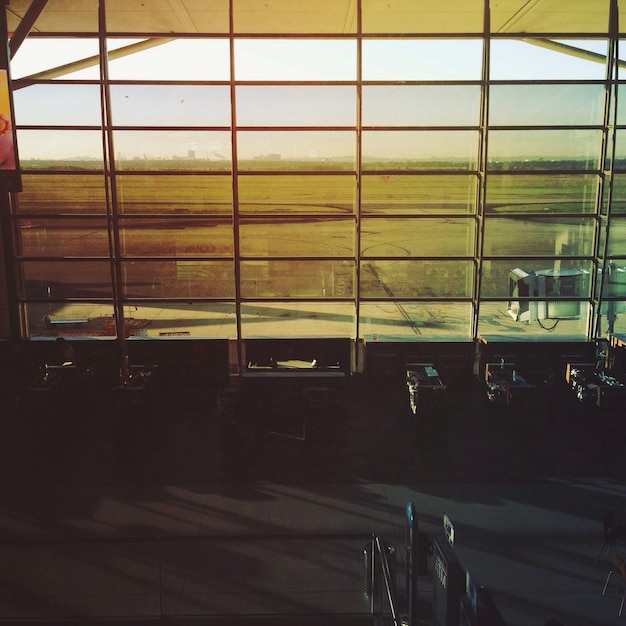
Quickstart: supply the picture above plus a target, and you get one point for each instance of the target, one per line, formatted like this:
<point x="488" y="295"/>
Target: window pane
<point x="180" y="319"/>
<point x="178" y="279"/>
<point x="293" y="194"/>
<point x="422" y="59"/>
<point x="534" y="236"/>
<point x="426" y="149"/>
<point x="170" y="105"/>
<point x="170" y="59"/>
<point x="311" y="16"/>
<point x="620" y="148"/>
<point x="415" y="321"/>
<point x="499" y="282"/>
<point x="298" y="319"/>
<point x="66" y="237"/>
<point x="61" y="149"/>
<point x="62" y="193"/>
<point x="56" y="280"/>
<point x="544" y="149"/>
<point x="303" y="150"/>
<point x="309" y="237"/>
<point x="555" y="193"/>
<point x="421" y="105"/>
<point x="297" y="279"/>
<point x="409" y="16"/>
<point x="156" y="193"/>
<point x="388" y="193"/>
<point x="172" y="150"/>
<point x="295" y="59"/>
<point x="81" y="319"/>
<point x="417" y="237"/>
<point x="176" y="237"/>
<point x="494" y="321"/>
<point x="545" y="104"/>
<point x="618" y="199"/>
<point x="416" y="279"/>
<point x="46" y="55"/>
<point x="617" y="238"/>
<point x="54" y="104"/>
<point x="535" y="61"/>
<point x="314" y="105"/>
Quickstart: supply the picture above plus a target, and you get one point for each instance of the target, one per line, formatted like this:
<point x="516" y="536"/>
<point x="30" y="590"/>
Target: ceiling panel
<point x="320" y="16"/>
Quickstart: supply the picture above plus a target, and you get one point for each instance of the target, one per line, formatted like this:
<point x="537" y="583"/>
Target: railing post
<point x="411" y="563"/>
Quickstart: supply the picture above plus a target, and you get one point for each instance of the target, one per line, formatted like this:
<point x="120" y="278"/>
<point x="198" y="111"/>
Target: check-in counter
<point x="505" y="384"/>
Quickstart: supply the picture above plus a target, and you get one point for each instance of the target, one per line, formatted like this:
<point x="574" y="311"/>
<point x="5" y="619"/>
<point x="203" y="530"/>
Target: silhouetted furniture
<point x="617" y="565"/>
<point x="424" y="385"/>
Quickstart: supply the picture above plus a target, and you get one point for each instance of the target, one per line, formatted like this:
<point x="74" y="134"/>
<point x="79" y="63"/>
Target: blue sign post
<point x="411" y="563"/>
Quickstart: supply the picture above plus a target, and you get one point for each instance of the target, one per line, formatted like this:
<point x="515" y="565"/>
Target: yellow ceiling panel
<point x="295" y="16"/>
<point x="549" y="16"/>
<point x="320" y="16"/>
<point x="422" y="16"/>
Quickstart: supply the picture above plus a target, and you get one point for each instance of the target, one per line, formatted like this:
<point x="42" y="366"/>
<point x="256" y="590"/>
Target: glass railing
<point x="198" y="576"/>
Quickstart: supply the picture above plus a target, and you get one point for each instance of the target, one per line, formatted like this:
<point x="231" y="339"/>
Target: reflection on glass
<point x="53" y="104"/>
<point x="546" y="104"/>
<point x="420" y="105"/>
<point x="176" y="194"/>
<point x="60" y="149"/>
<point x="181" y="319"/>
<point x="66" y="237"/>
<point x="302" y="105"/>
<point x="494" y="321"/>
<point x="532" y="193"/>
<point x="417" y="237"/>
<point x="295" y="59"/>
<point x="298" y="279"/>
<point x="497" y="280"/>
<point x="415" y="321"/>
<point x="418" y="194"/>
<point x="303" y="150"/>
<point x="618" y="196"/>
<point x="416" y="279"/>
<point x="178" y="279"/>
<point x="617" y="238"/>
<point x="56" y="280"/>
<point x="536" y="60"/>
<point x="296" y="194"/>
<point x="170" y="59"/>
<point x="530" y="235"/>
<point x="56" y="319"/>
<point x="170" y="105"/>
<point x="322" y="237"/>
<point x="544" y="149"/>
<point x="182" y="237"/>
<point x="620" y="149"/>
<point x="297" y="319"/>
<point x="422" y="59"/>
<point x="172" y="150"/>
<point x="62" y="193"/>
<point x="424" y="149"/>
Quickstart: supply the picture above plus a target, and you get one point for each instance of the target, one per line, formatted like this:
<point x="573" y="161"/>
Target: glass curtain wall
<point x="342" y="169"/>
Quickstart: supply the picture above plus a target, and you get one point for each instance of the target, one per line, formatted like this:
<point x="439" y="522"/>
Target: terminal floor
<point x="526" y="488"/>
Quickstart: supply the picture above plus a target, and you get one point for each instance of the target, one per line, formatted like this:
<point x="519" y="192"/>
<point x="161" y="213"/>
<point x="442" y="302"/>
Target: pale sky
<point x="303" y="60"/>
